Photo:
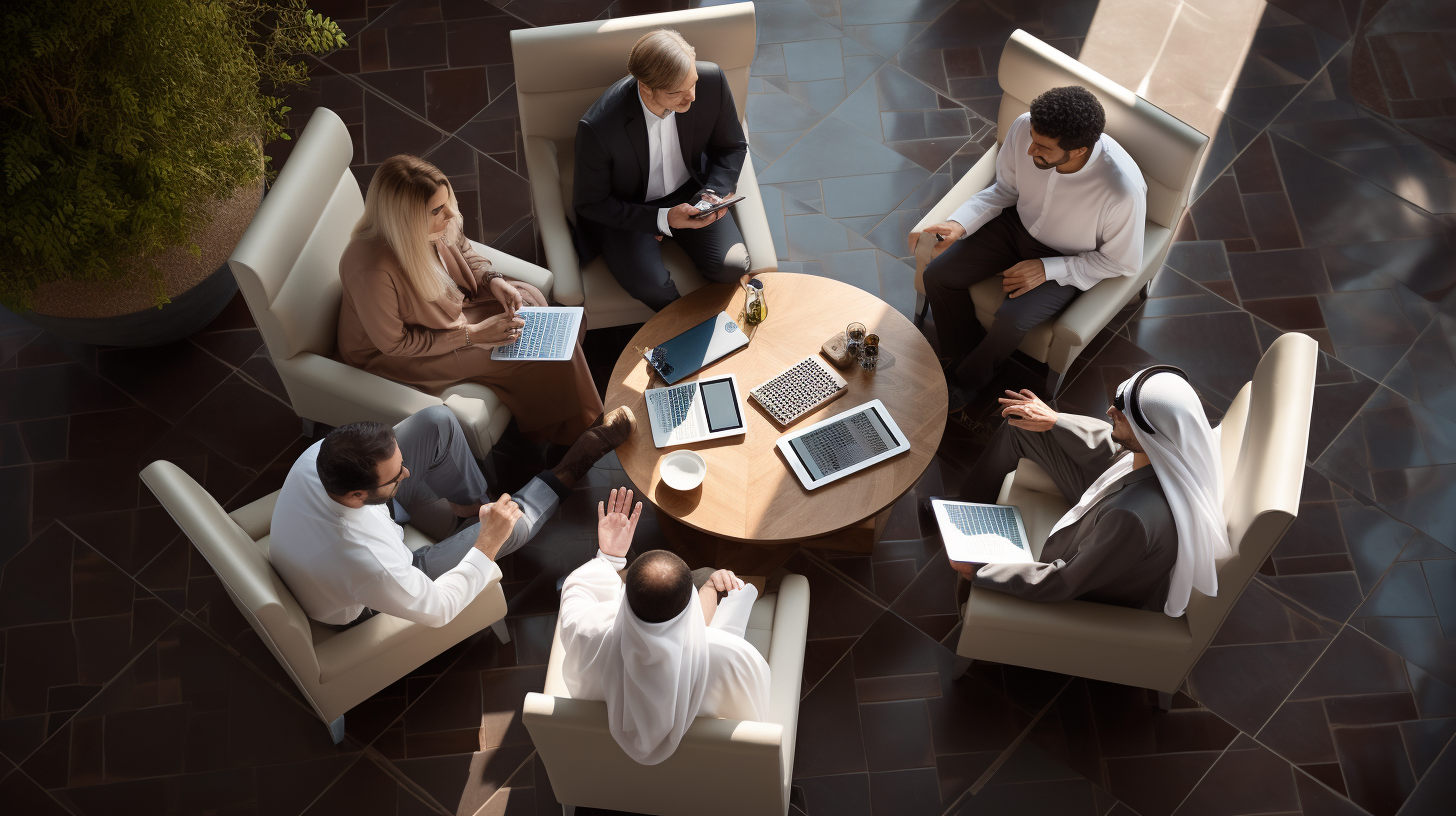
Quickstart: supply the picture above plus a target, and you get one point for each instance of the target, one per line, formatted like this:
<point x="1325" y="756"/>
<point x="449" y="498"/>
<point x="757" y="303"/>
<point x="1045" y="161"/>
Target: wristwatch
<point x="490" y="276"/>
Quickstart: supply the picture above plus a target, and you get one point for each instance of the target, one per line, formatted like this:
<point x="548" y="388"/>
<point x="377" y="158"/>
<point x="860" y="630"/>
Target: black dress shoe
<point x="957" y="398"/>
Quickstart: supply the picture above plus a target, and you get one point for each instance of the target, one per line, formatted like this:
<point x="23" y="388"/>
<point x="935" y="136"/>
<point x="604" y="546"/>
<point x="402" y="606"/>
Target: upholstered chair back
<point x="1263" y="438"/>
<point x="241" y="563"/>
<point x="561" y="70"/>
<point x="287" y="263"/>
<point x="1165" y="149"/>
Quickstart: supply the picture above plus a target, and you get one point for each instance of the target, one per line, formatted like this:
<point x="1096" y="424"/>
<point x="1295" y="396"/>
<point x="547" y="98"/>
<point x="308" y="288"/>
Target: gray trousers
<point x="443" y="470"/>
<point x="997" y="246"/>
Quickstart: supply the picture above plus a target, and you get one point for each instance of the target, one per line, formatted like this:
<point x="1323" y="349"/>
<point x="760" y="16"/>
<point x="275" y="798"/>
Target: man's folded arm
<point x="1118" y="541"/>
<point x="406" y="592"/>
<point x="591" y="194"/>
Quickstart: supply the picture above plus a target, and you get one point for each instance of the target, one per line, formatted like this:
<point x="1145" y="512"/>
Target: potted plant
<point x="131" y="136"/>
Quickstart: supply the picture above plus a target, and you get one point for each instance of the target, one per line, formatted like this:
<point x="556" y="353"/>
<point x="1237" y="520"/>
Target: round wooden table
<point x="750" y="494"/>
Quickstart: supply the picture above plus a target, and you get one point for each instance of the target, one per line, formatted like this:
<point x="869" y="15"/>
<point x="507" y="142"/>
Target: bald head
<point x="659" y="586"/>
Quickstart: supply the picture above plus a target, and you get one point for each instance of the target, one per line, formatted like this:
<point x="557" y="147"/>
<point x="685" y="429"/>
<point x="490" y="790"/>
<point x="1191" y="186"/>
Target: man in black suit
<point x="654" y="145"/>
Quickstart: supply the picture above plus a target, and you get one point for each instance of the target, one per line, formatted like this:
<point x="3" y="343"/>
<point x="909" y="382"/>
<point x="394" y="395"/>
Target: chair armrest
<point x="516" y="268"/>
<point x="545" y="176"/>
<point x="256" y="518"/>
<point x="1092" y="309"/>
<point x="358" y="392"/>
<point x="752" y="222"/>
<point x="786" y="665"/>
<point x="1080" y="621"/>
<point x="353" y="647"/>
<point x="978" y="178"/>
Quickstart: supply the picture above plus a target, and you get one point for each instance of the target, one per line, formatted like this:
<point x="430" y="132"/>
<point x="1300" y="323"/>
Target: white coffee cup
<point x="683" y="470"/>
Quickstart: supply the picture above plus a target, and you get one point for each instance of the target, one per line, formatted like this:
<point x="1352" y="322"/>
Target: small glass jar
<point x="755" y="303"/>
<point x="869" y="355"/>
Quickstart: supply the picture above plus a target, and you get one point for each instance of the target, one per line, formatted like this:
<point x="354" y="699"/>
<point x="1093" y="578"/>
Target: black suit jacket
<point x="610" y="186"/>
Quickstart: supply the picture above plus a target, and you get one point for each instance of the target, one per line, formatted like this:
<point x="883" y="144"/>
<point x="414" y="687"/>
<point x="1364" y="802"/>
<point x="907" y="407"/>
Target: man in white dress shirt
<point x="1066" y="211"/>
<point x="657" y="656"/>
<point x="657" y="143"/>
<point x="336" y="536"/>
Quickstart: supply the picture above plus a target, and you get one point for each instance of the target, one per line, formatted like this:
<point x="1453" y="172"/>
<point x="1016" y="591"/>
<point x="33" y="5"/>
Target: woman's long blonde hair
<point x="396" y="209"/>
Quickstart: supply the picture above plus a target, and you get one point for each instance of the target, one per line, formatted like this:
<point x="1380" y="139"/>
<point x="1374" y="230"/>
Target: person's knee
<point x="938" y="274"/>
<point x="1011" y="319"/>
<point x="439" y="416"/>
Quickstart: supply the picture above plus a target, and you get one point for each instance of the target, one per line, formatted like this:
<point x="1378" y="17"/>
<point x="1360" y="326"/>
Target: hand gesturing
<point x="614" y="527"/>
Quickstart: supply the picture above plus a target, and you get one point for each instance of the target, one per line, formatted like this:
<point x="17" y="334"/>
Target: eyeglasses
<point x="395" y="480"/>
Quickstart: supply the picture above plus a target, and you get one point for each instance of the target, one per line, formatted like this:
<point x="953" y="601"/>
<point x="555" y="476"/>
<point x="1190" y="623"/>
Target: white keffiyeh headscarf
<point x="1185" y="454"/>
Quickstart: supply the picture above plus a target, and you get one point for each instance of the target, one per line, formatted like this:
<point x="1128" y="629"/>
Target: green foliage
<point x="119" y="117"/>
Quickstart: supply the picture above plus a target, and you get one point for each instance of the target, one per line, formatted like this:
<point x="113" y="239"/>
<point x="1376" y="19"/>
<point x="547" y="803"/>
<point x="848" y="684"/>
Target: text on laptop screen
<point x="721" y="404"/>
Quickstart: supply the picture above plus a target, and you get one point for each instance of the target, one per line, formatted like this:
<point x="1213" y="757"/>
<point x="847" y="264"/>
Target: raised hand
<point x="614" y="527"/>
<point x="1025" y="410"/>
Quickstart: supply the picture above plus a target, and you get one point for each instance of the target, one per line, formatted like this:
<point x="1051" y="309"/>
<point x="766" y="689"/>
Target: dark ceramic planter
<point x="188" y="312"/>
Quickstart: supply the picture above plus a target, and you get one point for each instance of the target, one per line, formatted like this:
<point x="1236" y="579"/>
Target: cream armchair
<point x="287" y="265"/>
<point x="721" y="767"/>
<point x="560" y="72"/>
<point x="334" y="670"/>
<point x="1166" y="150"/>
<point x="1263" y="441"/>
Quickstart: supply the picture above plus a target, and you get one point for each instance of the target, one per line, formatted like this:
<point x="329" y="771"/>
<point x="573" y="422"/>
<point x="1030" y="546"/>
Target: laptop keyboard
<point x="546" y="334"/>
<point x="980" y="520"/>
<point x="672" y="407"/>
<point x="834" y="447"/>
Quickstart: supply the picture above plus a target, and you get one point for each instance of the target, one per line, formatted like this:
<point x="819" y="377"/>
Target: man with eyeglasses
<point x="337" y="539"/>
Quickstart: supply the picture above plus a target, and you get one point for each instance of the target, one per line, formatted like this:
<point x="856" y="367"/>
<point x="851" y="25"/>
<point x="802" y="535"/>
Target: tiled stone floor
<point x="132" y="685"/>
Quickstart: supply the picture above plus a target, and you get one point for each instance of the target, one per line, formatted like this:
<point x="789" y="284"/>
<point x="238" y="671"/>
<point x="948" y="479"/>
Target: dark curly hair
<point x="1071" y="115"/>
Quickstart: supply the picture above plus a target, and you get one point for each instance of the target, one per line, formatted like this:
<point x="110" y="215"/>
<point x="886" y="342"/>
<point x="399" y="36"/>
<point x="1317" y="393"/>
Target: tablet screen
<point x="721" y="404"/>
<point x="851" y="439"/>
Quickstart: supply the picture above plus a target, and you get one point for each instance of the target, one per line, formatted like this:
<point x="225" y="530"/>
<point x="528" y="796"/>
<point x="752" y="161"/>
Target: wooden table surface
<point x="750" y="494"/>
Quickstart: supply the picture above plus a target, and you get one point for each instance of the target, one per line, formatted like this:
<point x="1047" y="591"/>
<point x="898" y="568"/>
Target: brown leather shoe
<point x="609" y="431"/>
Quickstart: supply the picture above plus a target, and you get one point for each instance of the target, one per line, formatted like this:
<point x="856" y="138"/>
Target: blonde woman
<point x="421" y="307"/>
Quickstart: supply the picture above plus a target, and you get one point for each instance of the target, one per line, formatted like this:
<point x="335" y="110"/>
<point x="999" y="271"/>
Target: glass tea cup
<point x="854" y="337"/>
<point x="869" y="359"/>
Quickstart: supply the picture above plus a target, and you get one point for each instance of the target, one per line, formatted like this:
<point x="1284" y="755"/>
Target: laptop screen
<point x="721" y="404"/>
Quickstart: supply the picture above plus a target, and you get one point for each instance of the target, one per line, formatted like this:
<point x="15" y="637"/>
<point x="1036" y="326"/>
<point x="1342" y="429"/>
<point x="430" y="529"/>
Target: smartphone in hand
<point x="706" y="209"/>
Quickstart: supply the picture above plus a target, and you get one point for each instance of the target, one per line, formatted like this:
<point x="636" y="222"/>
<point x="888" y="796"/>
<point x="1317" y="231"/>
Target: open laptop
<point x="709" y="408"/>
<point x="982" y="533"/>
<point x="696" y="348"/>
<point x="549" y="334"/>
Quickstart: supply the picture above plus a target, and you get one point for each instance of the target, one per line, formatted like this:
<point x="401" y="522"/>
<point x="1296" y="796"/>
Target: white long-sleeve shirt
<point x="737" y="685"/>
<point x="666" y="171"/>
<point x="1094" y="217"/>
<point x="336" y="560"/>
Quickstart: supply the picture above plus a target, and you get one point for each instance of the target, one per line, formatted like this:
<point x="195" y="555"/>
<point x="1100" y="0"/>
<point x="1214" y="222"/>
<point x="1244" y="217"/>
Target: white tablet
<point x="843" y="444"/>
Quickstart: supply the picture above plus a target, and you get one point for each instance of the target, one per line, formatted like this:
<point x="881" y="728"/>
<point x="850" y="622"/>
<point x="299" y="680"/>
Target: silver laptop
<point x="982" y="533"/>
<point x="709" y="408"/>
<point x="549" y="334"/>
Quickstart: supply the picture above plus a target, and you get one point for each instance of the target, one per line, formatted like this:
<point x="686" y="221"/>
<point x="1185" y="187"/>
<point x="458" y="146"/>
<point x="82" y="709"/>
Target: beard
<point x="1126" y="439"/>
<point x="376" y="498"/>
<point x="1043" y="164"/>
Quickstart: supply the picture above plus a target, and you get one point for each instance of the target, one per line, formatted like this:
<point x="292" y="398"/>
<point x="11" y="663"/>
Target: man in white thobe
<point x="657" y="656"/>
